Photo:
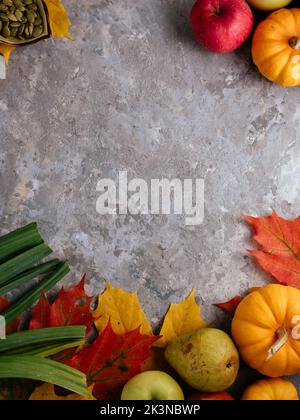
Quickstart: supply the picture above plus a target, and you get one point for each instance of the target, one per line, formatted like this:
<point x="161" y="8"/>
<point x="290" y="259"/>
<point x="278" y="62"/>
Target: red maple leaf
<point x="40" y="313"/>
<point x="113" y="359"/>
<point x="231" y="305"/>
<point x="279" y="240"/>
<point x="14" y="325"/>
<point x="71" y="307"/>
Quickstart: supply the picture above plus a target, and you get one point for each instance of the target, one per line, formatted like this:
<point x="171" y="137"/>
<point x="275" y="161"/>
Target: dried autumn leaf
<point x="6" y="50"/>
<point x="13" y="326"/>
<point x="113" y="359"/>
<point x="280" y="247"/>
<point x="71" y="307"/>
<point x="181" y="318"/>
<point x="231" y="305"/>
<point x="122" y="309"/>
<point x="58" y="19"/>
<point x="47" y="392"/>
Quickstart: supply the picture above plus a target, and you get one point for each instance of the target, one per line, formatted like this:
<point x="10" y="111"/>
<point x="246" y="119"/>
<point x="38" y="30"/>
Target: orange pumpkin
<point x="271" y="390"/>
<point x="266" y="330"/>
<point x="276" y="47"/>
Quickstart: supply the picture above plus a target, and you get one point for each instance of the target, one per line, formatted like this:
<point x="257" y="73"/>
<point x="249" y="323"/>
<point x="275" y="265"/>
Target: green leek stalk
<point x="28" y="299"/>
<point x="19" y="241"/>
<point x="28" y="351"/>
<point x="45" y="370"/>
<point x="29" y="275"/>
<point x="41" y="337"/>
<point x="23" y="262"/>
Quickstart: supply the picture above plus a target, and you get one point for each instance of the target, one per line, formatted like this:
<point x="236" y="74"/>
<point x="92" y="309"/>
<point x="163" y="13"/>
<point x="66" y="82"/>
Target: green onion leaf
<point x="22" y="262"/>
<point x="28" y="299"/>
<point x="43" y="336"/>
<point x="54" y="349"/>
<point x="45" y="370"/>
<point x="29" y="275"/>
<point x="19" y="241"/>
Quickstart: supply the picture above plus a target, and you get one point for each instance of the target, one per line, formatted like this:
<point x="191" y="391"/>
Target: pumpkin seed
<point x="38" y="21"/>
<point x="30" y="16"/>
<point x="13" y="31"/>
<point x="15" y="24"/>
<point x="3" y="8"/>
<point x="7" y="2"/>
<point x="27" y="2"/>
<point x="18" y="15"/>
<point x="33" y="7"/>
<point x="18" y="4"/>
<point x="3" y="17"/>
<point x="1" y="24"/>
<point x="6" y="31"/>
<point x="12" y="17"/>
<point x="26" y="31"/>
<point x="37" y="31"/>
<point x="21" y="29"/>
<point x="30" y="29"/>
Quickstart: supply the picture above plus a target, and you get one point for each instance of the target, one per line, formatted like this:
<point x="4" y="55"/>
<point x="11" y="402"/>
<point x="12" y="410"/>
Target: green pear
<point x="206" y="359"/>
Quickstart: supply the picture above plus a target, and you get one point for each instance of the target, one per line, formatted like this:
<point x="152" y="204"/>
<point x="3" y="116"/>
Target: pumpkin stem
<point x="295" y="43"/>
<point x="282" y="337"/>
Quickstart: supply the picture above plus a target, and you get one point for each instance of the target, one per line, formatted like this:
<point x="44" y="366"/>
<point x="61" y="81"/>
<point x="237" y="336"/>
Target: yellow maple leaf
<point x="47" y="392"/>
<point x="58" y="19"/>
<point x="122" y="309"/>
<point x="180" y="319"/>
<point x="6" y="50"/>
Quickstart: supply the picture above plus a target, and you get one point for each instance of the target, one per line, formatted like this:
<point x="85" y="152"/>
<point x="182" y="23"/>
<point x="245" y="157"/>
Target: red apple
<point x="221" y="25"/>
<point x="211" y="396"/>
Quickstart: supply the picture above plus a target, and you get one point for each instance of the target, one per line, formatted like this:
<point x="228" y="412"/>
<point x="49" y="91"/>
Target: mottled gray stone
<point x="134" y="91"/>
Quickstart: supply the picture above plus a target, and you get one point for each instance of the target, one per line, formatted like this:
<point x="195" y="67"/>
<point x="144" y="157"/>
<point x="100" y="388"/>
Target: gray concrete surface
<point x="134" y="91"/>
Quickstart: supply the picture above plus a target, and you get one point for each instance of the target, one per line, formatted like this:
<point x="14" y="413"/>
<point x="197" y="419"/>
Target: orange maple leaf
<point x="279" y="240"/>
<point x="71" y="307"/>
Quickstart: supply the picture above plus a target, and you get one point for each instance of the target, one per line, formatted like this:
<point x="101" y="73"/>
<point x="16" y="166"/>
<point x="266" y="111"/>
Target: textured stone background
<point x="135" y="92"/>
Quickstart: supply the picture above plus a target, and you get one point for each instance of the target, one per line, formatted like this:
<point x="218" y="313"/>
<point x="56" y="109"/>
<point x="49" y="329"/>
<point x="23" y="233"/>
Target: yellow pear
<point x="206" y="359"/>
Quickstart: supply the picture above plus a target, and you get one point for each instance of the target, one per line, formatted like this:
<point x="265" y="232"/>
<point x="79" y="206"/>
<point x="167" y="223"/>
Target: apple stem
<point x="295" y="43"/>
<point x="282" y="337"/>
<point x="218" y="11"/>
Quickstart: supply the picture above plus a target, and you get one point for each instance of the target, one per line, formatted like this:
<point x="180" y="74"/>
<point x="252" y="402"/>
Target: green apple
<point x="269" y="4"/>
<point x="152" y="385"/>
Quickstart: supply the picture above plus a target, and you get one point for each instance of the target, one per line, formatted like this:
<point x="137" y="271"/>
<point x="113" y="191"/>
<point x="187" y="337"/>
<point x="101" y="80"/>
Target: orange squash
<point x="271" y="390"/>
<point x="276" y="47"/>
<point x="266" y="330"/>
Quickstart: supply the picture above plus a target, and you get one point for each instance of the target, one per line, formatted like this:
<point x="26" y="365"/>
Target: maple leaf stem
<point x="109" y="364"/>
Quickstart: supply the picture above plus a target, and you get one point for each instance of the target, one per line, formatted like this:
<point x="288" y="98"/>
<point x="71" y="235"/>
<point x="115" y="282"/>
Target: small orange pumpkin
<point x="271" y="390"/>
<point x="266" y="327"/>
<point x="276" y="47"/>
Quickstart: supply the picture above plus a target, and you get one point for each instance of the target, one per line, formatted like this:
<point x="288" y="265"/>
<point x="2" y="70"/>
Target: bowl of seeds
<point x="23" y="21"/>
